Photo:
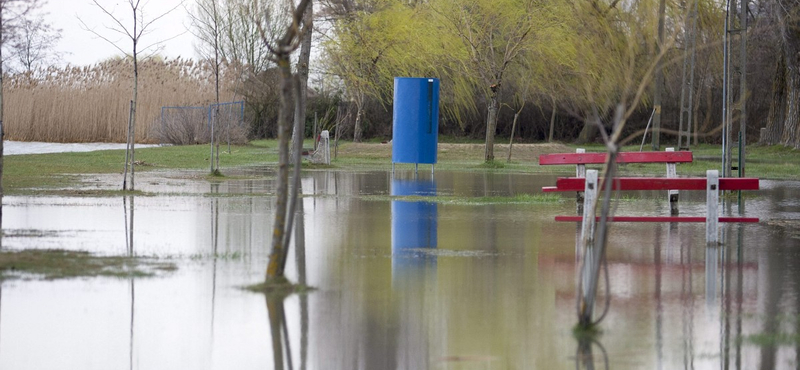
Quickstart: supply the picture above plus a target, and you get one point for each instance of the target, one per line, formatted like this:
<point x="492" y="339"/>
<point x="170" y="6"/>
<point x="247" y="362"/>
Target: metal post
<point x="672" y="195"/>
<point x="726" y="165"/>
<point x="712" y="207"/>
<point x="742" y="85"/>
<point x="687" y="84"/>
<point x="587" y="226"/>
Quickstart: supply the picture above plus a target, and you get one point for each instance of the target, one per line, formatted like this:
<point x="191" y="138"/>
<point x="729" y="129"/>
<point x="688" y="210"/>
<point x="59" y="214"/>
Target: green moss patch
<point x="278" y="287"/>
<point x="52" y="264"/>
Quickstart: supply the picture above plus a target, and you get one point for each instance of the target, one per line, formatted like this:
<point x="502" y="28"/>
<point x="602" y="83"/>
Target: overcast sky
<point x="81" y="47"/>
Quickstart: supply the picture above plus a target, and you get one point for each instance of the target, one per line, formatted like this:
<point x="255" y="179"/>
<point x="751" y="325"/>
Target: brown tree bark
<point x="358" y="131"/>
<point x="588" y="133"/>
<point x="491" y="122"/>
<point x="777" y="106"/>
<point x="289" y="100"/>
<point x="790" y="35"/>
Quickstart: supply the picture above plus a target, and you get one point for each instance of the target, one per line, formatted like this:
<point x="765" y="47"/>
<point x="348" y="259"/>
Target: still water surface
<point x="401" y="283"/>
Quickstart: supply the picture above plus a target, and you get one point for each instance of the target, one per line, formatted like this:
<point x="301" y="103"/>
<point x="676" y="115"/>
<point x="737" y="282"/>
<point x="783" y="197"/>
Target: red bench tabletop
<point x="624" y="157"/>
<point x="657" y="183"/>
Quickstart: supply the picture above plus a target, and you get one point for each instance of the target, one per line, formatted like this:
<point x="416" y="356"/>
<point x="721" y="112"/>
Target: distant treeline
<point x="351" y="81"/>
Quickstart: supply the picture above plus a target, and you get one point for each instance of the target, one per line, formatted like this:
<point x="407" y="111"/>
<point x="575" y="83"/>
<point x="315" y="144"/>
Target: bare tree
<point x="138" y="27"/>
<point x="207" y="25"/>
<point x="34" y="43"/>
<point x="12" y="12"/>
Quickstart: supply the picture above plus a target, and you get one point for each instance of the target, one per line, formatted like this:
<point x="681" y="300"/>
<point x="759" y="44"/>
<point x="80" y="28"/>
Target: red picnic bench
<point x="580" y="159"/>
<point x="590" y="185"/>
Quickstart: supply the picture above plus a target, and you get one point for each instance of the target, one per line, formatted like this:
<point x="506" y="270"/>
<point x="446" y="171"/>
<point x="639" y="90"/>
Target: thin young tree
<point x="207" y="25"/>
<point x="132" y="29"/>
<point x="281" y="50"/>
<point x="12" y="12"/>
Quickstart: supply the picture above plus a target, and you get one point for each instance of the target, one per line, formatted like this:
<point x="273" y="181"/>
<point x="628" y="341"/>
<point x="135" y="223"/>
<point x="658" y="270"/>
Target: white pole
<point x="712" y="206"/>
<point x="587" y="232"/>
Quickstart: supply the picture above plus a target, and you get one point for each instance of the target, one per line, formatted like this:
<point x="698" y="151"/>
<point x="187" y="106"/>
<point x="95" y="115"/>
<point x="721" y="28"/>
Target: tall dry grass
<point x="91" y="104"/>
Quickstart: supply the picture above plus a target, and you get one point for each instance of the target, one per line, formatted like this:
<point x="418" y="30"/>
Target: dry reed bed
<point x="91" y="104"/>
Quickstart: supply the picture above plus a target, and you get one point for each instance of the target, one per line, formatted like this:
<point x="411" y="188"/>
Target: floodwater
<point x="400" y="284"/>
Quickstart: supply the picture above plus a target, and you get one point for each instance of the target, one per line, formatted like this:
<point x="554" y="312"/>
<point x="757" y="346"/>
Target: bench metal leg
<point x="672" y="195"/>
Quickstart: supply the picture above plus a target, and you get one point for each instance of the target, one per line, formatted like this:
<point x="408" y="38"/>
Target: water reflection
<point x="586" y="358"/>
<point x="473" y="293"/>
<point x="414" y="223"/>
<point x="414" y="269"/>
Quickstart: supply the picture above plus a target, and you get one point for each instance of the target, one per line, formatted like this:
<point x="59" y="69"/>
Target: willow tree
<point x="494" y="35"/>
<point x="364" y="49"/>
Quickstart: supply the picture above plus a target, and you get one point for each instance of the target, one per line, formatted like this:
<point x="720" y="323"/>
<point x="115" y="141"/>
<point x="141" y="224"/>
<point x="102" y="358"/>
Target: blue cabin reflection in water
<point x="414" y="225"/>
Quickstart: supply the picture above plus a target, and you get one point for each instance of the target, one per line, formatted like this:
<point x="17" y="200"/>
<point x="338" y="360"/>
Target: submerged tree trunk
<point x="278" y="252"/>
<point x="289" y="99"/>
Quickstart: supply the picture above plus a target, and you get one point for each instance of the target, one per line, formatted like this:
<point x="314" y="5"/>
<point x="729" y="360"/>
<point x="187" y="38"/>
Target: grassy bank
<point x="63" y="170"/>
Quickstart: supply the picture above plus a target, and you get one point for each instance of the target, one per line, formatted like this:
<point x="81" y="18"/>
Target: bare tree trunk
<point x="791" y="136"/>
<point x="552" y="121"/>
<point x="276" y="256"/>
<point x="588" y="133"/>
<point x="133" y="114"/>
<point x="791" y="52"/>
<point x="357" y="129"/>
<point x="281" y="235"/>
<point x="511" y="140"/>
<point x="216" y="83"/>
<point x="302" y="71"/>
<point x="131" y="149"/>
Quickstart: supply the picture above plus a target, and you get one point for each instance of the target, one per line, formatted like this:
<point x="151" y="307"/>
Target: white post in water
<point x="712" y="206"/>
<point x="672" y="195"/>
<point x="580" y="171"/>
<point x="587" y="235"/>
